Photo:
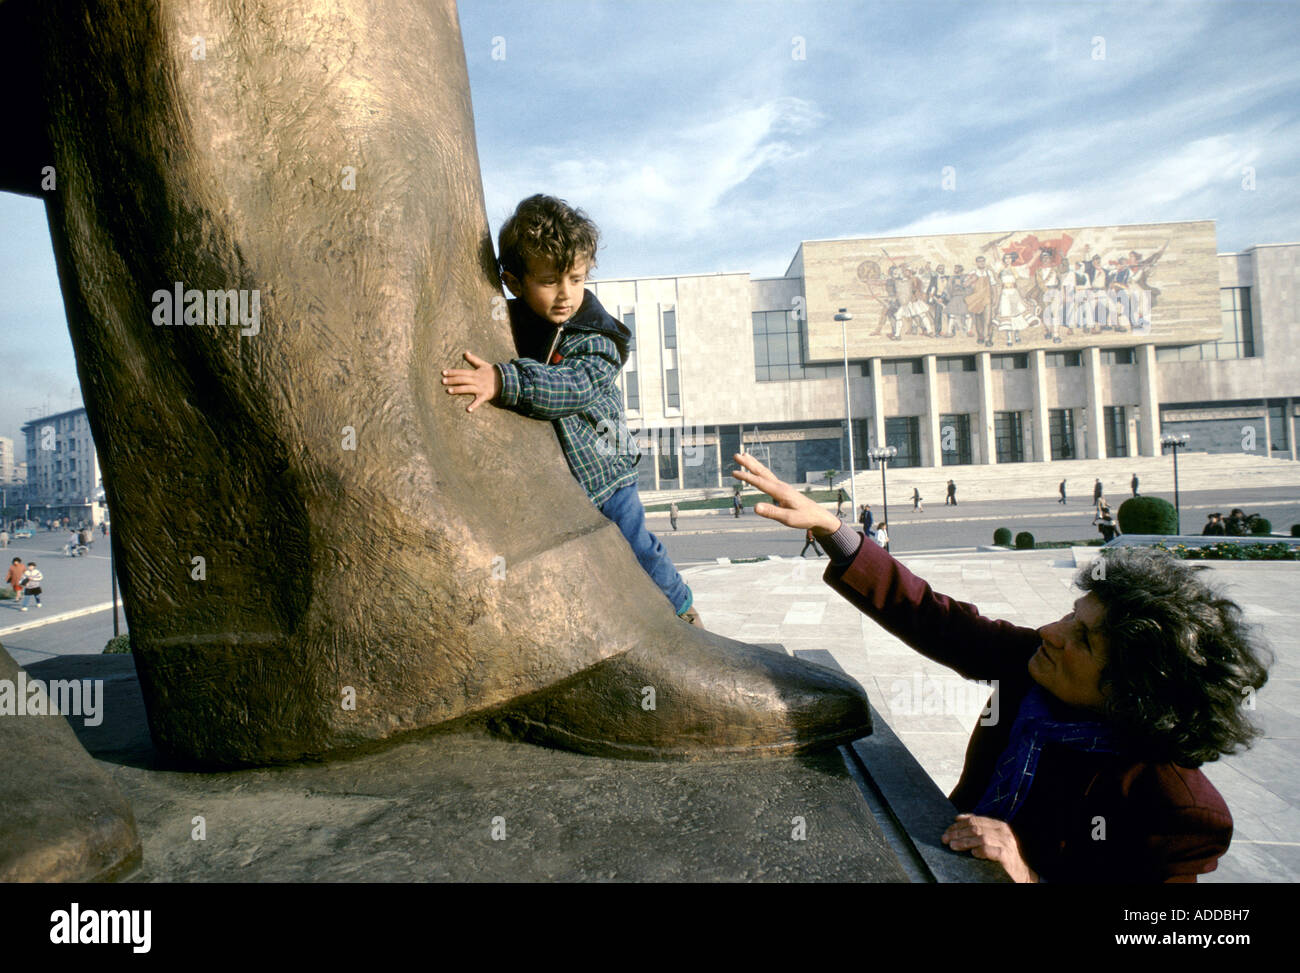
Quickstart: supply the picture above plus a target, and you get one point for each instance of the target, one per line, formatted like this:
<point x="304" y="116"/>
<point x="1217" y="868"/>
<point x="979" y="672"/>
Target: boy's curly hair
<point x="546" y="228"/>
<point x="1183" y="665"/>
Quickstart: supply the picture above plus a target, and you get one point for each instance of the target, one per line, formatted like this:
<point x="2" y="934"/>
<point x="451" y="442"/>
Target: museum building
<point x="1003" y="347"/>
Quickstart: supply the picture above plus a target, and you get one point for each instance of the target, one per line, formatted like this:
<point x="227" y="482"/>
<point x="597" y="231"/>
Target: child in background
<point x="32" y="579"/>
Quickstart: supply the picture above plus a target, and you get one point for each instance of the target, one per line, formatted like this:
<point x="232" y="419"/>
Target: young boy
<point x="32" y="579"/>
<point x="571" y="352"/>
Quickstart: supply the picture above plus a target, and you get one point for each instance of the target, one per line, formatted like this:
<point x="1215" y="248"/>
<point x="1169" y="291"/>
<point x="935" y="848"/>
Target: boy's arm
<point x="587" y="371"/>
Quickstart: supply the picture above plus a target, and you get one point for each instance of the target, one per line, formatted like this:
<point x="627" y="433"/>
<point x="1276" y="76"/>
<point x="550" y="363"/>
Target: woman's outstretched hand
<point x="792" y="508"/>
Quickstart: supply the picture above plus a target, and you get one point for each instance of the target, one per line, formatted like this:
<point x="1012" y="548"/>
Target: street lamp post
<point x="1174" y="443"/>
<point x="844" y="317"/>
<point x="883" y="454"/>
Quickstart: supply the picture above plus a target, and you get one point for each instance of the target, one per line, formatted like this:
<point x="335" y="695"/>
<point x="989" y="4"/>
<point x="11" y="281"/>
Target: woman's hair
<point x="548" y="229"/>
<point x="1182" y="669"/>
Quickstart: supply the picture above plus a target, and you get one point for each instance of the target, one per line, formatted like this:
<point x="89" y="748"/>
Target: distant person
<point x="672" y="514"/>
<point x="1062" y="489"/>
<point x="4" y="538"/>
<point x="810" y="541"/>
<point x="882" y="535"/>
<point x="1134" y="484"/>
<point x="916" y="499"/>
<point x="14" y="579"/>
<point x="1235" y="525"/>
<point x="31" y="584"/>
<point x="103" y="529"/>
<point x="1097" y="492"/>
<point x="1106" y="524"/>
<point x="1213" y="526"/>
<point x="864" y="518"/>
<point x="951" y="498"/>
<point x="736" y="505"/>
<point x="839" y="503"/>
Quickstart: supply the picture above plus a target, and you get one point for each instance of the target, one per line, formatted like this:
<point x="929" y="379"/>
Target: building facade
<point x="63" y="476"/>
<point x="1025" y="346"/>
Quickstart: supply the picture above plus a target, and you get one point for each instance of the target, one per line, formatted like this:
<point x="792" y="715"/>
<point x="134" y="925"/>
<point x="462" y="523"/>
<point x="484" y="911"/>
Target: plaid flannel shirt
<point x="581" y="397"/>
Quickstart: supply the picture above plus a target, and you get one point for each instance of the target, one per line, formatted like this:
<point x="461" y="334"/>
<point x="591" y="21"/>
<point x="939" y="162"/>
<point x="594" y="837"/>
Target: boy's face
<point x="551" y="294"/>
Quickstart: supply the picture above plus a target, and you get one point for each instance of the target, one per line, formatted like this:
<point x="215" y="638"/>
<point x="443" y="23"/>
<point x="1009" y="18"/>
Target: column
<point x="1095" y="439"/>
<point x="1268" y="431"/>
<point x="931" y="444"/>
<point x="1148" y="401"/>
<point x="877" y="406"/>
<point x="1042" y="442"/>
<point x="984" y="417"/>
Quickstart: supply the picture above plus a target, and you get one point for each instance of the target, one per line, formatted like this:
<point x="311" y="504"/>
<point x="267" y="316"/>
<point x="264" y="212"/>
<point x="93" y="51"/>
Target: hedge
<point x="1002" y="537"/>
<point x="1147" y="515"/>
<point x="1024" y="541"/>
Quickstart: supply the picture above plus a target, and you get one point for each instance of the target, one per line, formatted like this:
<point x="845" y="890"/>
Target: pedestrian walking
<point x="736" y="505"/>
<point x="31" y="585"/>
<point x="1062" y="488"/>
<point x="952" y="494"/>
<point x="103" y="528"/>
<point x="809" y="540"/>
<point x="839" y="503"/>
<point x="4" y="538"/>
<point x="1097" y="491"/>
<point x="1105" y="523"/>
<point x="916" y="499"/>
<point x="672" y="514"/>
<point x="1134" y="484"/>
<point x="882" y="535"/>
<point x="14" y="579"/>
<point x="864" y="518"/>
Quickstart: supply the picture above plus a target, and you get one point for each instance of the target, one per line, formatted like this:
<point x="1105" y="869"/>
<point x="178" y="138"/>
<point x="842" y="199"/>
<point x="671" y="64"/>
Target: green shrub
<point x="1295" y="530"/>
<point x="6" y="592"/>
<point x="1024" y="541"/>
<point x="1147" y="515"/>
<point x="119" y="645"/>
<point x="1258" y="525"/>
<point x="1002" y="537"/>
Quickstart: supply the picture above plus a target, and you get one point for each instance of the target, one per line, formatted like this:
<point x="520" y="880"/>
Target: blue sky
<point x="699" y="143"/>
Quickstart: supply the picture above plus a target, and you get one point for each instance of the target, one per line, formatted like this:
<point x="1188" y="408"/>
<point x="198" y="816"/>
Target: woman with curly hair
<point x="1092" y="776"/>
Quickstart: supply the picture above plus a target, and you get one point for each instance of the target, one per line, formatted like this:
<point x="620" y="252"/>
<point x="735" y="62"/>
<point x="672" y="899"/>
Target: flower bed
<point x="1231" y="551"/>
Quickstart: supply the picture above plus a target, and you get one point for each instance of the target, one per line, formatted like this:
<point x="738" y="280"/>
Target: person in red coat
<point x="1091" y="774"/>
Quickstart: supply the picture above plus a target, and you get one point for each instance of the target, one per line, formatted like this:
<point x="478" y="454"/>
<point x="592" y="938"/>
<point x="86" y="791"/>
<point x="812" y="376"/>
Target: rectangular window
<point x="670" y="328"/>
<point x="1277" y="428"/>
<point x="1060" y="424"/>
<point x="1238" y="339"/>
<point x="1116" y="426"/>
<point x="959" y="363"/>
<point x="1008" y="435"/>
<point x="72" y="463"/>
<point x="954" y="440"/>
<point x="672" y="392"/>
<point x="1117" y="356"/>
<point x="668" y="439"/>
<point x="778" y="349"/>
<point x="633" y="392"/>
<point x="902" y="366"/>
<point x="629" y="319"/>
<point x="1063" y="359"/>
<point x="904" y="434"/>
<point x="1006" y="362"/>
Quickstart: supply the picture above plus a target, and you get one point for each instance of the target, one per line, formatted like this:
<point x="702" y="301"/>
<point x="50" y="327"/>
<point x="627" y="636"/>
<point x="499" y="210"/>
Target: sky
<point x="706" y="136"/>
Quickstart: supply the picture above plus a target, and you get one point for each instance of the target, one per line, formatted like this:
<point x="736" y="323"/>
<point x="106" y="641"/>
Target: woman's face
<point x="1069" y="662"/>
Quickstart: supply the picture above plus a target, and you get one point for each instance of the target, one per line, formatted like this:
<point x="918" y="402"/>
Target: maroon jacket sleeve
<point x="941" y="628"/>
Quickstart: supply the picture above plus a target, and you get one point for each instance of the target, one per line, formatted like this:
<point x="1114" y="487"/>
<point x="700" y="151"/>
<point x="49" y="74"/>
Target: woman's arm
<point x="948" y="631"/>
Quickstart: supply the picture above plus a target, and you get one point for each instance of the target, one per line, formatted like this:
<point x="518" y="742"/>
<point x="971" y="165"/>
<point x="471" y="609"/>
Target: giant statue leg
<point x="319" y="549"/>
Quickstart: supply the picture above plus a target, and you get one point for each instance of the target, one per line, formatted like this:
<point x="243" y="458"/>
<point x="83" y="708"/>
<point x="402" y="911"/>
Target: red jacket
<point x="1088" y="817"/>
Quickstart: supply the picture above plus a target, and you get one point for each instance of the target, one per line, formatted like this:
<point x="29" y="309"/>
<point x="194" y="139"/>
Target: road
<point x="702" y="538"/>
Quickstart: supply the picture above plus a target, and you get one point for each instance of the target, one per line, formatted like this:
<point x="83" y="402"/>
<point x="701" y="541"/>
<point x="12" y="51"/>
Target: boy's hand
<point x="483" y="381"/>
<point x="793" y="509"/>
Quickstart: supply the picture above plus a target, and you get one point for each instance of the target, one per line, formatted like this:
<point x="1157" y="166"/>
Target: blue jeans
<point x="624" y="508"/>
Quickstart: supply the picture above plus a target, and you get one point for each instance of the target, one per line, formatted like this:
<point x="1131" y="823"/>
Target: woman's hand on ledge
<point x="992" y="840"/>
<point x="792" y="508"/>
